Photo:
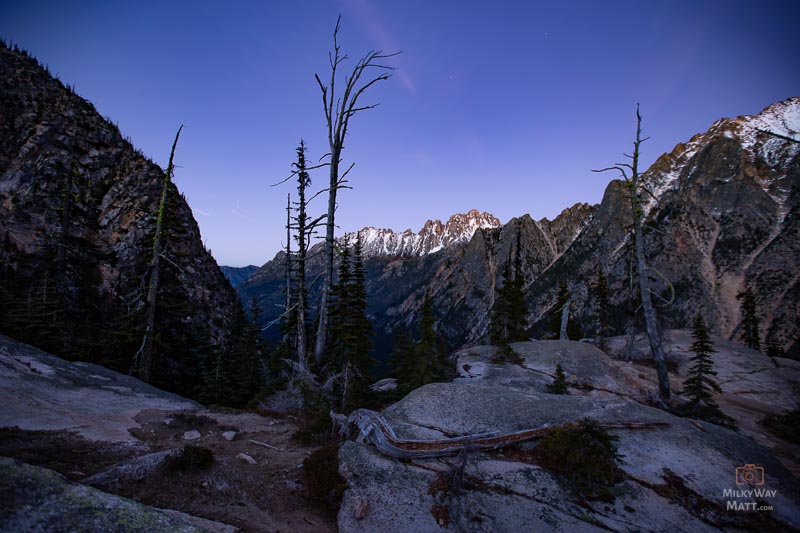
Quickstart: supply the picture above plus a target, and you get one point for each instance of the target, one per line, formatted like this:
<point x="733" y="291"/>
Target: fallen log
<point x="368" y="426"/>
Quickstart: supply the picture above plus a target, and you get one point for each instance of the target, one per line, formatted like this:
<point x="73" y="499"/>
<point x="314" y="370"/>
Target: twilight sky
<point x="496" y="105"/>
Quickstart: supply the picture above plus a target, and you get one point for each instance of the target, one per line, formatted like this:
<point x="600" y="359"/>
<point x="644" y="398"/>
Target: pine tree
<point x="559" y="384"/>
<point x="602" y="306"/>
<point x="305" y="228"/>
<point x="231" y="377"/>
<point x="509" y="313"/>
<point x="750" y="321"/>
<point x="427" y="360"/>
<point x="699" y="386"/>
<point x="350" y="331"/>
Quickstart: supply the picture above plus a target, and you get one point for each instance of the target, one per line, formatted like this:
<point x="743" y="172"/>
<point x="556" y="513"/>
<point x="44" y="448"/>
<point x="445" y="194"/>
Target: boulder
<point x="38" y="499"/>
<point x="680" y="477"/>
<point x="192" y="435"/>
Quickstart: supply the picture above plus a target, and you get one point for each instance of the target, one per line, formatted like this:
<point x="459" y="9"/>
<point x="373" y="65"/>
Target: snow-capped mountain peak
<point x="759" y="135"/>
<point x="433" y="236"/>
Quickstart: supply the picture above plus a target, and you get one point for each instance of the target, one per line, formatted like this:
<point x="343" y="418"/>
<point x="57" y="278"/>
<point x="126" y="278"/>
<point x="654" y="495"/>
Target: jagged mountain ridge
<point x="725" y="218"/>
<point x="433" y="236"/>
<point x="237" y="275"/>
<point x="460" y="277"/>
<point x="77" y="202"/>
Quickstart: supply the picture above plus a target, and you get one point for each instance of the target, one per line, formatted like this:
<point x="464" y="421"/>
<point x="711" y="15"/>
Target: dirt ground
<point x="269" y="495"/>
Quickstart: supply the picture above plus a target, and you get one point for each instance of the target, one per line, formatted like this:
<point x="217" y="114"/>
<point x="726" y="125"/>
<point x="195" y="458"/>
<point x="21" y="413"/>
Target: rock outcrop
<point x="77" y="204"/>
<point x="38" y="499"/>
<point x="680" y="477"/>
<point x="724" y="217"/>
<point x="44" y="392"/>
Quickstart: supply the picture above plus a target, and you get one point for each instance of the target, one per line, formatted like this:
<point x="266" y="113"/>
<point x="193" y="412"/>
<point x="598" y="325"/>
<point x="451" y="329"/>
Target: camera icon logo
<point x="749" y="475"/>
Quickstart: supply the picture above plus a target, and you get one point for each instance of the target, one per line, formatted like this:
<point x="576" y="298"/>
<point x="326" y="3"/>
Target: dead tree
<point x="143" y="358"/>
<point x="338" y="112"/>
<point x="562" y="332"/>
<point x="305" y="229"/>
<point x="635" y="186"/>
<point x="372" y="427"/>
<point x="288" y="263"/>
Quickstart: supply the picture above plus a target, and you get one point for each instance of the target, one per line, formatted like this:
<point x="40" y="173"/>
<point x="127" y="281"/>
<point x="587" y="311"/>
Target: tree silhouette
<point x="634" y="182"/>
<point x="339" y="109"/>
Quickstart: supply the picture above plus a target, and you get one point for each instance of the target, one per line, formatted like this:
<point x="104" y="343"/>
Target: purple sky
<point x="500" y="106"/>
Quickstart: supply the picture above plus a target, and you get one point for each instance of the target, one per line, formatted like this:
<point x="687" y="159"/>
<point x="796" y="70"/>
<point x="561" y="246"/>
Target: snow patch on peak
<point x="433" y="236"/>
<point x="781" y="118"/>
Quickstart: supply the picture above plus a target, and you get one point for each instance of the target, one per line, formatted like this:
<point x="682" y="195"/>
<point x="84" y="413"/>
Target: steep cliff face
<point x="726" y="217"/>
<point x="77" y="203"/>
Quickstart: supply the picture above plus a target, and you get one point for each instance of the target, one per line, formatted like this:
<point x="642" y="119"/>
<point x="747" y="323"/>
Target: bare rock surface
<point x="44" y="392"/>
<point x="112" y="432"/>
<point x="673" y="478"/>
<point x="38" y="499"/>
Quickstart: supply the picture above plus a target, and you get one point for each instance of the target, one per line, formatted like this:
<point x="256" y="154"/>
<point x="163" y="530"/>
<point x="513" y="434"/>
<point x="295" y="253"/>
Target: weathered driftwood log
<point x="369" y="426"/>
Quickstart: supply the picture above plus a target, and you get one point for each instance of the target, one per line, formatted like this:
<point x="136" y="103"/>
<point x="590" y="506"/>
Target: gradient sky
<point x="500" y="106"/>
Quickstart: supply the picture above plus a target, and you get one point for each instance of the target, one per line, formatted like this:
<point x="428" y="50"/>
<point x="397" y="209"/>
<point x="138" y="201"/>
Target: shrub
<point x="784" y="426"/>
<point x="321" y="470"/>
<point x="587" y="455"/>
<point x="191" y="458"/>
<point x="507" y="354"/>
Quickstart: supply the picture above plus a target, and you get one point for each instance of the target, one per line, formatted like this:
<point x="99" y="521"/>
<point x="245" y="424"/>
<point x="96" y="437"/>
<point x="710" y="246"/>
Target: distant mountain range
<point x="237" y="275"/>
<point x="433" y="236"/>
<point x="725" y="216"/>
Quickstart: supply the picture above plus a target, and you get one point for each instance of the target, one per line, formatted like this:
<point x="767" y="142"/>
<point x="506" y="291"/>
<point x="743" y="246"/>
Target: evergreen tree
<point x="602" y="306"/>
<point x="424" y="361"/>
<point x="750" y="321"/>
<point x="699" y="386"/>
<point x="559" y="384"/>
<point x="700" y="383"/>
<point x="509" y="313"/>
<point x="233" y="376"/>
<point x="350" y="332"/>
<point x="305" y="228"/>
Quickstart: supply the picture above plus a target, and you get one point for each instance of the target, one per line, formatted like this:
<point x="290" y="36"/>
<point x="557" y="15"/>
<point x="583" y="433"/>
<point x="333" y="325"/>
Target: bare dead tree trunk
<point x="565" y="320"/>
<point x="143" y="359"/>
<point x="338" y="112"/>
<point x="651" y="324"/>
<point x="288" y="263"/>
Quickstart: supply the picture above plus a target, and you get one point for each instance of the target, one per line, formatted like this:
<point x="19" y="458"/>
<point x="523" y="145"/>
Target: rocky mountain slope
<point x="726" y="217"/>
<point x="460" y="277"/>
<point x="237" y="275"/>
<point x="77" y="204"/>
<point x="678" y="477"/>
